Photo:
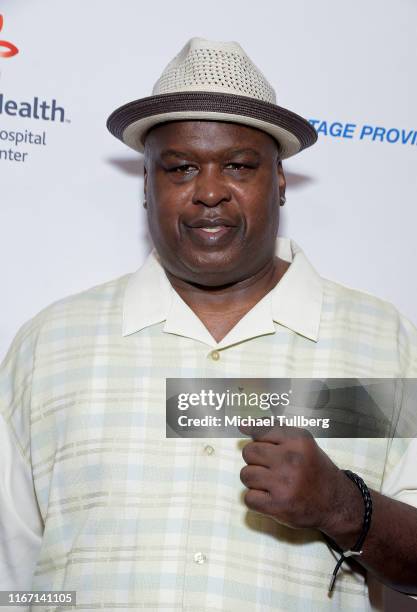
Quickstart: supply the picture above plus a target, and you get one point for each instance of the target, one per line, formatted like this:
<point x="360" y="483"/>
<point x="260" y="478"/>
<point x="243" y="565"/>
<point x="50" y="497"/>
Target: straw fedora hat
<point x="213" y="81"/>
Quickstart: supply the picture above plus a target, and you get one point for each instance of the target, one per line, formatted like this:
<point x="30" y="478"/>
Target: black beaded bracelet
<point x="357" y="549"/>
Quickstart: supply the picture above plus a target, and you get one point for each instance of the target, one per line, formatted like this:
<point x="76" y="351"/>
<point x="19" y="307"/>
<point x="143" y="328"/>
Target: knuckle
<point x="246" y="452"/>
<point x="252" y="501"/>
<point x="293" y="457"/>
<point x="244" y="474"/>
<point x="248" y="498"/>
<point x="253" y="451"/>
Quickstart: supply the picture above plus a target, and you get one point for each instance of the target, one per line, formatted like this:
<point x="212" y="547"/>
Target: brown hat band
<point x="197" y="101"/>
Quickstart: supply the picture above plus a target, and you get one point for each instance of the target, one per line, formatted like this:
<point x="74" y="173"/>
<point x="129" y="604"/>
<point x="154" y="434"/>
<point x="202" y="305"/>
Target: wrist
<point x="345" y="518"/>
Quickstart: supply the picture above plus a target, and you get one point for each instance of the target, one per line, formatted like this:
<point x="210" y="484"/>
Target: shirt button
<point x="215" y="355"/>
<point x="199" y="558"/>
<point x="209" y="450"/>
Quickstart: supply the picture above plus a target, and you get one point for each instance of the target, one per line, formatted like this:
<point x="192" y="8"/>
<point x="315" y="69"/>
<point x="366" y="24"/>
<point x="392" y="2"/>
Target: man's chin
<point x="213" y="270"/>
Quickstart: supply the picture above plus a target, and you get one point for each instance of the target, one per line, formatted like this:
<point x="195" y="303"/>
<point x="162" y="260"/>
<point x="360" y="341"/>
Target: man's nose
<point x="211" y="187"/>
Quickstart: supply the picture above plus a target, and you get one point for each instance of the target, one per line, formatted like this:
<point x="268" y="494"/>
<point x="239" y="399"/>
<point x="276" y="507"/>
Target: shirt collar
<point x="295" y="302"/>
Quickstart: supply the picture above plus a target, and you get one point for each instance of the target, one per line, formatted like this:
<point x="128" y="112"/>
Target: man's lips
<point x="211" y="222"/>
<point x="212" y="235"/>
<point x="210" y="231"/>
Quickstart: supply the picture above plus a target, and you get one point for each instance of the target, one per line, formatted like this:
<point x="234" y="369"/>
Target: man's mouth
<point x="211" y="231"/>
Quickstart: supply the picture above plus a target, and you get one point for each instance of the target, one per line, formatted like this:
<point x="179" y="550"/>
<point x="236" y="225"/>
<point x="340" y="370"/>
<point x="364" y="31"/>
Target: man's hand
<point x="291" y="479"/>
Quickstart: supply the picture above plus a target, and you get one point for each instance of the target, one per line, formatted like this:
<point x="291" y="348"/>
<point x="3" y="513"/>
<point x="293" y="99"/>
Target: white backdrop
<point x="71" y="213"/>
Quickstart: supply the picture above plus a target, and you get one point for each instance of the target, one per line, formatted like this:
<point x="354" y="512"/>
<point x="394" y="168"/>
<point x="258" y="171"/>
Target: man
<point x="94" y="497"/>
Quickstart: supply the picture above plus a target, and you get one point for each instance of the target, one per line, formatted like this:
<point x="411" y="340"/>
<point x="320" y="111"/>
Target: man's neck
<point x="220" y="308"/>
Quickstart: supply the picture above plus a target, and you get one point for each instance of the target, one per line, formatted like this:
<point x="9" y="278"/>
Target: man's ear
<point x="282" y="183"/>
<point x="145" y="183"/>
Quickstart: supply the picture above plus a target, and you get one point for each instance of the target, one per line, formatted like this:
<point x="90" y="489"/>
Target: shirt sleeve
<point x="400" y="482"/>
<point x="400" y="474"/>
<point x="21" y="522"/>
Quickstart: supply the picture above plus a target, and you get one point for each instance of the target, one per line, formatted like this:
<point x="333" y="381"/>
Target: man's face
<point x="212" y="191"/>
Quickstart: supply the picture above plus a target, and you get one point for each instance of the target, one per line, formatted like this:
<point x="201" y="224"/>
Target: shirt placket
<point x="198" y="557"/>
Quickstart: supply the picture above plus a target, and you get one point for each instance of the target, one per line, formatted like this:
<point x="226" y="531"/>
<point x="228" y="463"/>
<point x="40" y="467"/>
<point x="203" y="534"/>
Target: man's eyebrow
<point x="243" y="151"/>
<point x="174" y="153"/>
<point x="226" y="153"/>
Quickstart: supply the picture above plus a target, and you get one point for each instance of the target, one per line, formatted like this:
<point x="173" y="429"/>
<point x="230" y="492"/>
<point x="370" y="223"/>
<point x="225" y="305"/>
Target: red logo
<point x="7" y="49"/>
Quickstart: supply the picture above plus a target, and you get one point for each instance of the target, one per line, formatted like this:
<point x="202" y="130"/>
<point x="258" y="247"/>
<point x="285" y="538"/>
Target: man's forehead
<point x="183" y="135"/>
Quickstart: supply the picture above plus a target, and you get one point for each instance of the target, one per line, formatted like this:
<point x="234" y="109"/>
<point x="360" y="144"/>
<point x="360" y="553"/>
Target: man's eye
<point x="235" y="166"/>
<point x="184" y="169"/>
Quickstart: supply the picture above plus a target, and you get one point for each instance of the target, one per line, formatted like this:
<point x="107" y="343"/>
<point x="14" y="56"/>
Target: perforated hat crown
<point x="214" y="81"/>
<point x="204" y="65"/>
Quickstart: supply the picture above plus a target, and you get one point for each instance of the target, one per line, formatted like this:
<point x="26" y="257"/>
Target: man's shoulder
<point x="360" y="319"/>
<point x="92" y="301"/>
<point x="81" y="313"/>
<point x="364" y="312"/>
<point x="344" y="300"/>
<point x="64" y="326"/>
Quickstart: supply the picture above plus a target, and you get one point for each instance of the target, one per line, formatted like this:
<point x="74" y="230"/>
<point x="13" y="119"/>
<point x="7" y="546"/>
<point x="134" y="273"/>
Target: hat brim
<point x="131" y="122"/>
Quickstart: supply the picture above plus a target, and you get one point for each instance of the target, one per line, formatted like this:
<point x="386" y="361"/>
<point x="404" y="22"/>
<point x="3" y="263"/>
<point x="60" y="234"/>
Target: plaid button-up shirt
<point x="95" y="499"/>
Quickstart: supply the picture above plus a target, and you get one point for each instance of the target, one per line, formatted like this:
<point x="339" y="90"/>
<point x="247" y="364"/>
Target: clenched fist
<point x="291" y="479"/>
